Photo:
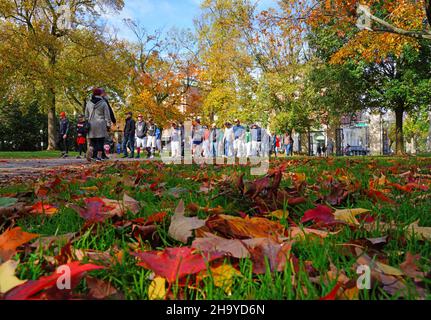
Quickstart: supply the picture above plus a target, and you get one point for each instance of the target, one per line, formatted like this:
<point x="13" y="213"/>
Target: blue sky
<point x="160" y="14"/>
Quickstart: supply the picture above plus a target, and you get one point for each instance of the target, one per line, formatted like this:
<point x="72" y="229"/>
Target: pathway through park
<point x="14" y="170"/>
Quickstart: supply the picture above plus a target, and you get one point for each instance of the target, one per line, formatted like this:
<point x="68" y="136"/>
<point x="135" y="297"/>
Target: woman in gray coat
<point x="99" y="118"/>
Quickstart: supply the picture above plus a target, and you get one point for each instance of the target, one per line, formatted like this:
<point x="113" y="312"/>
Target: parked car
<point x="357" y="151"/>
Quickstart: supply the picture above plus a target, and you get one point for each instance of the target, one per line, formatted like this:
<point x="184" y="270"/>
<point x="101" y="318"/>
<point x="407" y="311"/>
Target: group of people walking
<point x="232" y="140"/>
<point x="92" y="128"/>
<point x="141" y="135"/>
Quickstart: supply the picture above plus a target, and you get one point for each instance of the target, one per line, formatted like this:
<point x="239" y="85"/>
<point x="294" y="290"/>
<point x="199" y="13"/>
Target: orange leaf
<point x="40" y="208"/>
<point x="12" y="239"/>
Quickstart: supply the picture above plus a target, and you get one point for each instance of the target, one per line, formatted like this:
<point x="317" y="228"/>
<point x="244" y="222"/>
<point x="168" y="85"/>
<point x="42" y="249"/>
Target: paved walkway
<point x="14" y="170"/>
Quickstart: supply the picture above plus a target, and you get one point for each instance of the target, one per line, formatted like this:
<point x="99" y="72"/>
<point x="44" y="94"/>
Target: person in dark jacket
<point x="141" y="135"/>
<point x="129" y="136"/>
<point x="81" y="133"/>
<point x="63" y="135"/>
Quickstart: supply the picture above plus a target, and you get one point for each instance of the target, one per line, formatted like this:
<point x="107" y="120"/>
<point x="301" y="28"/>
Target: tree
<point x="227" y="68"/>
<point x="164" y="74"/>
<point x="20" y="126"/>
<point x="387" y="58"/>
<point x="37" y="38"/>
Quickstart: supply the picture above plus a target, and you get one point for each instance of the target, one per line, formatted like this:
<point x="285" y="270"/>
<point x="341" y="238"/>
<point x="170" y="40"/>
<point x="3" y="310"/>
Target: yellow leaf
<point x="424" y="232"/>
<point x="8" y="280"/>
<point x="91" y="189"/>
<point x="348" y="215"/>
<point x="157" y="289"/>
<point x="279" y="214"/>
<point x="386" y="269"/>
<point x="350" y="294"/>
<point x="222" y="276"/>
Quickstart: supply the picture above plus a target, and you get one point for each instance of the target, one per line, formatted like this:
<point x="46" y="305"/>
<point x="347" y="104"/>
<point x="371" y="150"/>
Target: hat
<point x="98" y="91"/>
<point x="62" y="114"/>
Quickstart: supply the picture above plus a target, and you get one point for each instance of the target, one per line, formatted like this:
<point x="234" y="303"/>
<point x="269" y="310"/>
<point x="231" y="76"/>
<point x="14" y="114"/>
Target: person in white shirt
<point x="175" y="141"/>
<point x="239" y="143"/>
<point x="229" y="138"/>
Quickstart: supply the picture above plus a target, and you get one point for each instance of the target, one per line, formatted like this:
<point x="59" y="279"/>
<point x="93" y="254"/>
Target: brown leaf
<point x="181" y="226"/>
<point x="212" y="243"/>
<point x="100" y="289"/>
<point x="131" y="204"/>
<point x="240" y="228"/>
<point x="410" y="267"/>
<point x="267" y="250"/>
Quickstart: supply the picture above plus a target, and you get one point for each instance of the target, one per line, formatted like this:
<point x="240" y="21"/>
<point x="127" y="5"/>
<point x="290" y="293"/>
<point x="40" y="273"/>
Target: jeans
<point x="213" y="149"/>
<point x="288" y="148"/>
<point x="228" y="148"/>
<point x="129" y="141"/>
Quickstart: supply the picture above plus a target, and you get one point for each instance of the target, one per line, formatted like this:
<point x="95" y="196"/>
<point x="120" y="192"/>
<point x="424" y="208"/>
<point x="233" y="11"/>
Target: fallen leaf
<point x="181" y="226"/>
<point x="266" y="253"/>
<point x="300" y="233"/>
<point x="333" y="294"/>
<point x="90" y="189"/>
<point x="423" y="232"/>
<point x="319" y="214"/>
<point x="279" y="214"/>
<point x="32" y="287"/>
<point x="410" y="267"/>
<point x="41" y="208"/>
<point x="131" y="204"/>
<point x="99" y="209"/>
<point x="8" y="280"/>
<point x="157" y="289"/>
<point x="243" y="228"/>
<point x="211" y="243"/>
<point x="100" y="289"/>
<point x="12" y="239"/>
<point x="175" y="263"/>
<point x="378" y="196"/>
<point x="222" y="276"/>
<point x="349" y="215"/>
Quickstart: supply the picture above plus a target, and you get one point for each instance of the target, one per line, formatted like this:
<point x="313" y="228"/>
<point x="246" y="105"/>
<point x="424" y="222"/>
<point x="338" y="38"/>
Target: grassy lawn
<point x="393" y="191"/>
<point x="33" y="154"/>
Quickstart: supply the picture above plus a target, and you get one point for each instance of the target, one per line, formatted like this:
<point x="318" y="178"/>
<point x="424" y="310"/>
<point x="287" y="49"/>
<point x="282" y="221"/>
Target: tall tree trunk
<point x="399" y="136"/>
<point x="52" y="123"/>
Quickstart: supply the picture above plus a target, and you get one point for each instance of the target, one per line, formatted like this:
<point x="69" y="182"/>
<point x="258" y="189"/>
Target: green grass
<point x="33" y="154"/>
<point x="133" y="281"/>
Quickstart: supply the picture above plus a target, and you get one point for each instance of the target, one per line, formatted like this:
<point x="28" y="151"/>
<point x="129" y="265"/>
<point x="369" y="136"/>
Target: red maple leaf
<point x="30" y="288"/>
<point x="319" y="214"/>
<point x="175" y="263"/>
<point x="332" y="295"/>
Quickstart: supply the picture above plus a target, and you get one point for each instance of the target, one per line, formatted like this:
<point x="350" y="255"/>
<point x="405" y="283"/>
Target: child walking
<point x="82" y="131"/>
